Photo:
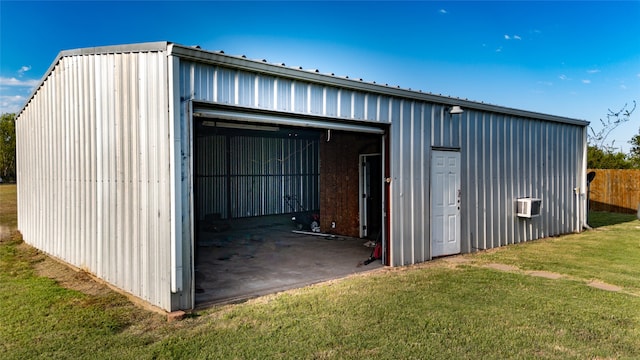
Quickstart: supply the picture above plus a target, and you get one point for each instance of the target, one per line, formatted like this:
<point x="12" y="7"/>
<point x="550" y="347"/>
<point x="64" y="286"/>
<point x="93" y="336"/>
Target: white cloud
<point x="563" y="77"/>
<point x="443" y="11"/>
<point x="623" y="87"/>
<point x="23" y="70"/>
<point x="11" y="103"/>
<point x="17" y="82"/>
<point x="514" y="37"/>
<point x="499" y="49"/>
<point x="593" y="71"/>
<point x="507" y="37"/>
<point x="586" y="81"/>
<point x="517" y="37"/>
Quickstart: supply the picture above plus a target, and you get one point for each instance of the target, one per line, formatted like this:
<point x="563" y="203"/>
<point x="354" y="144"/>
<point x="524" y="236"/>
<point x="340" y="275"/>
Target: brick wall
<point x="339" y="179"/>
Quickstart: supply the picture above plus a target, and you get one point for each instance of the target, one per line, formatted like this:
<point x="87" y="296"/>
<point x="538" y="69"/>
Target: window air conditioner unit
<point x="529" y="207"/>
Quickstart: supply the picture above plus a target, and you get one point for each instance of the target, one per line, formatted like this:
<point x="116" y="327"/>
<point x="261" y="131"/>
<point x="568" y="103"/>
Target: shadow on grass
<point x="600" y="218"/>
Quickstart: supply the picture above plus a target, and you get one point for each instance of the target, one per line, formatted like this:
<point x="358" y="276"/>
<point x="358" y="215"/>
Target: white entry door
<point x="445" y="203"/>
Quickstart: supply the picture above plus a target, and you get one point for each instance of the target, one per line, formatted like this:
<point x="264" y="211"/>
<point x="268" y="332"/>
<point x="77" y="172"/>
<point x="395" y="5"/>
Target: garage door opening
<point x="251" y="179"/>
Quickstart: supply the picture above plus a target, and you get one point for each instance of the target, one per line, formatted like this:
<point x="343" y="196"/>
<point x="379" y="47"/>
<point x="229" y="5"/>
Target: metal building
<point x="123" y="150"/>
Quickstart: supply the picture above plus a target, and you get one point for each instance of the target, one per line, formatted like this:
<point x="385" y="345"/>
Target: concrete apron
<point x="259" y="256"/>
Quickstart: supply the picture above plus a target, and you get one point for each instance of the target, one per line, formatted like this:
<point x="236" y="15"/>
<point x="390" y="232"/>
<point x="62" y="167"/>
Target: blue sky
<point x="569" y="58"/>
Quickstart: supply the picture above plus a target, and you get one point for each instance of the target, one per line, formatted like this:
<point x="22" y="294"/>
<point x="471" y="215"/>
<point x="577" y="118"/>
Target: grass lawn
<point x="608" y="253"/>
<point x="443" y="309"/>
<point x="8" y="205"/>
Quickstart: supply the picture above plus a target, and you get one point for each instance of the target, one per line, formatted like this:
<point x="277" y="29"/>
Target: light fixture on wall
<point x="455" y="110"/>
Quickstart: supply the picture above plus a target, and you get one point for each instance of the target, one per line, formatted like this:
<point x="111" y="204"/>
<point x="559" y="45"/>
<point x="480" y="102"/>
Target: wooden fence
<point x="615" y="190"/>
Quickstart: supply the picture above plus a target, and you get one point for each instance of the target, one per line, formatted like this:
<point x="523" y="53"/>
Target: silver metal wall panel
<point x="445" y="129"/>
<point x="300" y="97"/>
<point x="93" y="170"/>
<point x="316" y="99"/>
<point x="245" y="88"/>
<point x="283" y="92"/>
<point x="261" y="172"/>
<point x="345" y="104"/>
<point x="210" y="174"/>
<point x="264" y="96"/>
<point x="224" y="85"/>
<point x="357" y="106"/>
<point x="505" y="156"/>
<point x="508" y="157"/>
<point x="409" y="161"/>
<point x="371" y="107"/>
<point x="97" y="138"/>
<point x="331" y="102"/>
<point x="384" y="113"/>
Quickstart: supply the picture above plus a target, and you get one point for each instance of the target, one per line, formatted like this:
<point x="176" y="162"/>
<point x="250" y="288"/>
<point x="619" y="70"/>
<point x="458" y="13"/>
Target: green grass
<point x="8" y="205"/>
<point x="430" y="311"/>
<point x="601" y="219"/>
<point x="609" y="253"/>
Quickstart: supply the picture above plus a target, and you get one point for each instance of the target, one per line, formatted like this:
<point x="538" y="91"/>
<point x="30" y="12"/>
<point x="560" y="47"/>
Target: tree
<point x="614" y="119"/>
<point x="634" y="154"/>
<point x="598" y="158"/>
<point x="603" y="155"/>
<point x="8" y="147"/>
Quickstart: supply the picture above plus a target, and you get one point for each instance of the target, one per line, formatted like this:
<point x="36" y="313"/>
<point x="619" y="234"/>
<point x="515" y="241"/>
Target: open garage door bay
<point x="250" y="179"/>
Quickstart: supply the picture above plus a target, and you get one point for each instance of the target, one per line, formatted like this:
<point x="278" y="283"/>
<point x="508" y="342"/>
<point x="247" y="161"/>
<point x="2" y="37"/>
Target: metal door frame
<point x="434" y="151"/>
<point x="364" y="210"/>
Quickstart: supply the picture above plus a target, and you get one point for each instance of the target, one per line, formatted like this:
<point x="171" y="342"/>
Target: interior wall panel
<point x="254" y="174"/>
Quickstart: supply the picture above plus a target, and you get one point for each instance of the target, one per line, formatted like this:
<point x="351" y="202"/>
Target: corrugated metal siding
<point x="93" y="169"/>
<point x="219" y="84"/>
<point x="261" y="172"/>
<point x="409" y="164"/>
<point x="504" y="156"/>
<point x="210" y="175"/>
<point x="94" y="155"/>
<point x="267" y="169"/>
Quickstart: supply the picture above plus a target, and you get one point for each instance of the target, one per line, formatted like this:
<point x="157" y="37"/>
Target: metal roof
<point x="279" y="69"/>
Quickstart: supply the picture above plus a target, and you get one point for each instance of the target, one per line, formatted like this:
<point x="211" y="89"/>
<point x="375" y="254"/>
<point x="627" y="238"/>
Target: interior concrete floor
<point x="258" y="256"/>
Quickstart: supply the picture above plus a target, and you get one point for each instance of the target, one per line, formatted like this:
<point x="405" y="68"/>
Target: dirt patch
<point x="454" y="261"/>
<point x="502" y="267"/>
<point x="458" y="260"/>
<point x="604" y="286"/>
<point x="545" y="274"/>
<point x="5" y="232"/>
<point x="69" y="278"/>
<point x="553" y="276"/>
